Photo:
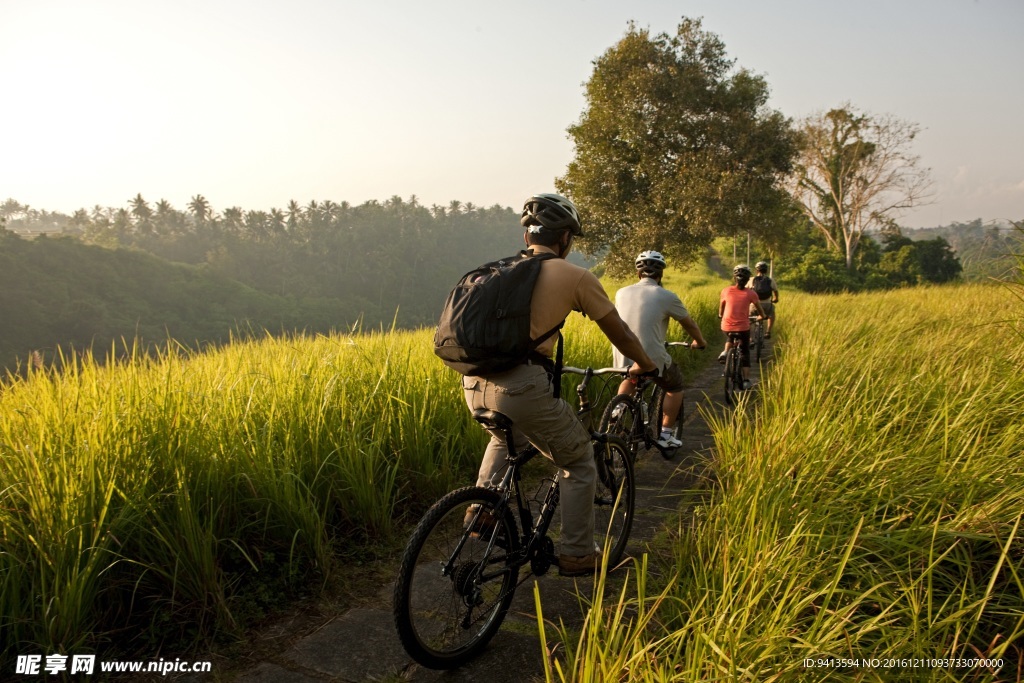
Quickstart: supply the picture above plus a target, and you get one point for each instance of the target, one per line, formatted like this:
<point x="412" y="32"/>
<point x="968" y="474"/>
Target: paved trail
<point x="360" y="644"/>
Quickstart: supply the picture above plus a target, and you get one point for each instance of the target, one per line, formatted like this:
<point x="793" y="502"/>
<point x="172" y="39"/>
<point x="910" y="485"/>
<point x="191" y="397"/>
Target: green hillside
<point x="58" y="291"/>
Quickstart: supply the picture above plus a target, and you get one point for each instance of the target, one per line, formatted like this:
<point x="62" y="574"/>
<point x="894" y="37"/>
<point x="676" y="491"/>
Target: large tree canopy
<point x="855" y="173"/>
<point x="675" y="146"/>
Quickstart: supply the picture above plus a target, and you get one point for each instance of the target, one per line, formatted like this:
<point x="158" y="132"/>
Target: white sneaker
<point x="618" y="411"/>
<point x="746" y="384"/>
<point x="669" y="441"/>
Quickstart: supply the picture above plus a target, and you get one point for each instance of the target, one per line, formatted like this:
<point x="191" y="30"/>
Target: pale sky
<point x="252" y="103"/>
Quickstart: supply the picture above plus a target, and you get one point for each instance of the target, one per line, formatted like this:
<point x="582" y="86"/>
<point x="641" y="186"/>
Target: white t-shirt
<point x="647" y="307"/>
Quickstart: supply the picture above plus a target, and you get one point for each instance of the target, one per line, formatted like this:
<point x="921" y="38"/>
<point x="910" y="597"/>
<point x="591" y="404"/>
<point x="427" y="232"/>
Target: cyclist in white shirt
<point x="647" y="307"/>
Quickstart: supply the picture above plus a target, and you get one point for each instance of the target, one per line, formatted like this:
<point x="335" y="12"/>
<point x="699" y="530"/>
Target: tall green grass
<point x="143" y="493"/>
<point x="868" y="507"/>
<point x="166" y="497"/>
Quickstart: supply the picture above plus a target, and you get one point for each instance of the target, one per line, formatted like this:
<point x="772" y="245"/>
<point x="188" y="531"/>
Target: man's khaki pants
<point x="524" y="394"/>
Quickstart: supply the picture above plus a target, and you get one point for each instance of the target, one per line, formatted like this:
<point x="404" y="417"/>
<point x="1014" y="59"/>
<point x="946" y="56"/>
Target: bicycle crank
<point x="543" y="557"/>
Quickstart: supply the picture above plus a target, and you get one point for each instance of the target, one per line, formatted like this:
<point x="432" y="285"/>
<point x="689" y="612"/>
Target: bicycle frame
<point x="534" y="532"/>
<point x="460" y="569"/>
<point x="646" y="403"/>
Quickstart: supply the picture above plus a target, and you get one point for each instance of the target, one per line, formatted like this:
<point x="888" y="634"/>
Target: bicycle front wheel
<point x="614" y="498"/>
<point x="455" y="584"/>
<point x="621" y="418"/>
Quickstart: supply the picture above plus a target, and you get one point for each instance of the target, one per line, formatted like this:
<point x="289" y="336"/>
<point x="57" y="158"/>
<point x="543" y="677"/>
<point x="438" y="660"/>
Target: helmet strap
<point x="564" y="244"/>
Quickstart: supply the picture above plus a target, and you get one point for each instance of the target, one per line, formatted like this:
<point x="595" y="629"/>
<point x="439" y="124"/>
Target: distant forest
<point x="984" y="251"/>
<point x="196" y="276"/>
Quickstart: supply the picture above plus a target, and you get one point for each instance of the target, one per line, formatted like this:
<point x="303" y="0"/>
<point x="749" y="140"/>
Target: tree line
<point x="199" y="274"/>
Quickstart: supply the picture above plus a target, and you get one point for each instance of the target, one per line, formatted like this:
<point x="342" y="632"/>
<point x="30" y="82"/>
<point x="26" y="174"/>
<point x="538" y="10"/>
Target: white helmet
<point x="650" y="262"/>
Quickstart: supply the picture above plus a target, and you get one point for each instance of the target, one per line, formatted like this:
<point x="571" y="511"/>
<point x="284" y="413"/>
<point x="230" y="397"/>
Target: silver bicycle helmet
<point x="652" y="259"/>
<point x="742" y="270"/>
<point x="551" y="212"/>
<point x="761" y="267"/>
<point x="650" y="264"/>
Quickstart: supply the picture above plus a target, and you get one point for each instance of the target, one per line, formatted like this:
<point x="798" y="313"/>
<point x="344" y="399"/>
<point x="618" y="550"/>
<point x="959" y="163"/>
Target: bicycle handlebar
<point x="592" y="371"/>
<point x="686" y="345"/>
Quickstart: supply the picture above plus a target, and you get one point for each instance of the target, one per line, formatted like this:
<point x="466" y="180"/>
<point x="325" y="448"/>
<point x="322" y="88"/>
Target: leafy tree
<point x="937" y="260"/>
<point x="821" y="270"/>
<point x="855" y="173"/>
<point x="675" y="145"/>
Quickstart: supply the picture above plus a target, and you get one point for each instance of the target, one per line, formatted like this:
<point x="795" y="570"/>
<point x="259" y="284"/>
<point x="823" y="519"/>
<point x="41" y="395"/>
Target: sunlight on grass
<point x="867" y="508"/>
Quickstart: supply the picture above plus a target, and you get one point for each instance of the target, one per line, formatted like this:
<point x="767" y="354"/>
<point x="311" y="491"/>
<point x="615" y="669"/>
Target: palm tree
<point x="277" y="226"/>
<point x="294" y="214"/>
<point x="232" y="220"/>
<point x="200" y="209"/>
<point x="143" y="214"/>
<point x="163" y="218"/>
<point x="256" y="225"/>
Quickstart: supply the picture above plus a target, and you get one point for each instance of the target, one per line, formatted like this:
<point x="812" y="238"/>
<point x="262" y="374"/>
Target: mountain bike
<point x="734" y="365"/>
<point x="637" y="418"/>
<point x="757" y="337"/>
<point x="460" y="569"/>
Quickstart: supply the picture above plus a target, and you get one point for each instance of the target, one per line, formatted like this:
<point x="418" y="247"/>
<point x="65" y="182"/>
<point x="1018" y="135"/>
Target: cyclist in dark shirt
<point x="767" y="295"/>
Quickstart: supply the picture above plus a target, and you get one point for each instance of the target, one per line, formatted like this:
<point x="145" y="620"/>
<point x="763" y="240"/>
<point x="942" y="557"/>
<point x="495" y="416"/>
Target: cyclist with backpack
<point x="504" y="347"/>
<point x="767" y="295"/>
<point x="734" y="309"/>
<point x="647" y="307"/>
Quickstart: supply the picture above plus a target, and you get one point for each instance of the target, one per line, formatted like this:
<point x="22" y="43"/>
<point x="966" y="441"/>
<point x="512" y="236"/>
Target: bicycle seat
<point x="492" y="419"/>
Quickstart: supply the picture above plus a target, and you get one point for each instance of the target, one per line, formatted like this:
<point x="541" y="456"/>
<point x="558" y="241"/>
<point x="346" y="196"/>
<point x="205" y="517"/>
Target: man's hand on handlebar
<point x="698" y="345"/>
<point x="636" y="371"/>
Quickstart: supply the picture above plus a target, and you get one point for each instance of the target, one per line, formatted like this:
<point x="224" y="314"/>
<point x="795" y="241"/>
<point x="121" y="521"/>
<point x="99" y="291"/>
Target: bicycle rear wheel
<point x="759" y="339"/>
<point x="732" y="372"/>
<point x="454" y="586"/>
<point x="621" y="418"/>
<point x="614" y="498"/>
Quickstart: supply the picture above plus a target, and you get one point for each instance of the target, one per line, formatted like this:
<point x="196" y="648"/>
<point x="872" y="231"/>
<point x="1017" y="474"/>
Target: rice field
<point x="861" y="522"/>
<point x="165" y="498"/>
<point x="867" y="509"/>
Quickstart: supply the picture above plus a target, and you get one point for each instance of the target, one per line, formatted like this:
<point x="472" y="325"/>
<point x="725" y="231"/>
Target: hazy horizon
<point x="253" y="104"/>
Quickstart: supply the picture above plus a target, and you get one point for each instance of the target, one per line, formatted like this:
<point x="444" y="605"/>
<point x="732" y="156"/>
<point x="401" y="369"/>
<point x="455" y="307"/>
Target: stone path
<point x="360" y="644"/>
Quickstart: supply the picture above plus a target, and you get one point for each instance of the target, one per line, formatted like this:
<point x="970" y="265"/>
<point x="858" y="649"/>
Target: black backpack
<point x="485" y="325"/>
<point x="763" y="287"/>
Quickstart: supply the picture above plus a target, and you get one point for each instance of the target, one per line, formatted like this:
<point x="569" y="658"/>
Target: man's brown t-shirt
<point x="561" y="288"/>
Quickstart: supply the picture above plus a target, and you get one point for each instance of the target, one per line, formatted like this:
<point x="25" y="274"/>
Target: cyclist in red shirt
<point x="734" y="310"/>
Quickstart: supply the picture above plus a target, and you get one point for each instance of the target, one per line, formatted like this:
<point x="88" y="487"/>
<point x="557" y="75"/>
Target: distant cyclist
<point x="767" y="295"/>
<point x="647" y="307"/>
<point x="734" y="310"/>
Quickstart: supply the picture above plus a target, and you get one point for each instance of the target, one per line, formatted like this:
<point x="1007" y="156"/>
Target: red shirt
<point x="736" y="317"/>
